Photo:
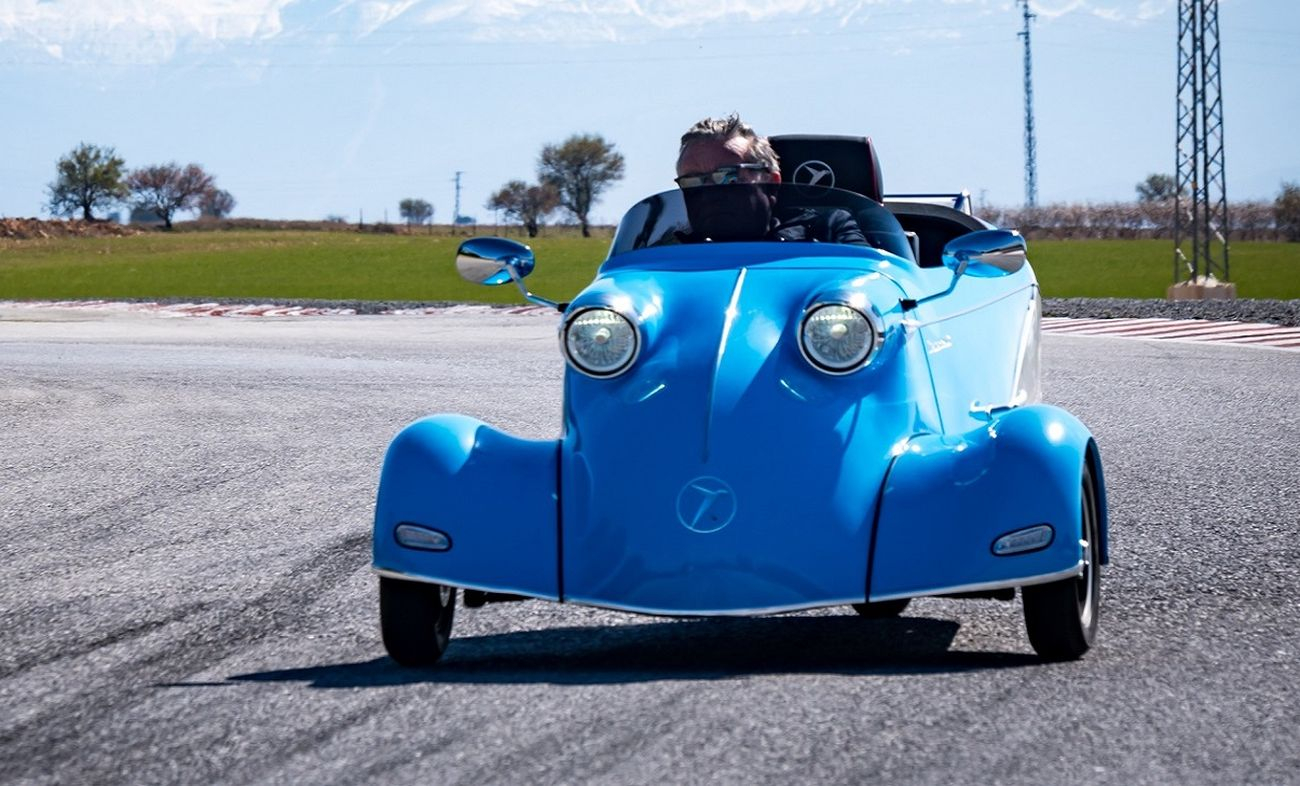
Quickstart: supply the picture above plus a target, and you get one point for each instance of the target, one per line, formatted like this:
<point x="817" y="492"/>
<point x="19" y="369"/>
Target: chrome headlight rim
<point x="873" y="345"/>
<point x="594" y="374"/>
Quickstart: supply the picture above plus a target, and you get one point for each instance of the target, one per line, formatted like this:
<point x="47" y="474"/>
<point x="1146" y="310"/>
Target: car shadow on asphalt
<point x="705" y="649"/>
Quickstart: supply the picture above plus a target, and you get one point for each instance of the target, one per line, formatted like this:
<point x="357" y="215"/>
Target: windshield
<point x="748" y="212"/>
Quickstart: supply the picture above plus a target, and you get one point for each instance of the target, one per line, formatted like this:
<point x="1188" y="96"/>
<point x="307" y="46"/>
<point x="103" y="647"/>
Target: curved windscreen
<point x="749" y="212"/>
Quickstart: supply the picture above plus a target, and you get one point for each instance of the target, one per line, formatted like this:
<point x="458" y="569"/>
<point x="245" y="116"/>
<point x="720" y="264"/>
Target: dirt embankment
<point x="35" y="228"/>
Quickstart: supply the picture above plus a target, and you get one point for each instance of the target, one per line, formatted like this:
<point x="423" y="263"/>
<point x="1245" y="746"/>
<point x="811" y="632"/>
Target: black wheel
<point x="1061" y="617"/>
<point x="881" y="609"/>
<point x="415" y="618"/>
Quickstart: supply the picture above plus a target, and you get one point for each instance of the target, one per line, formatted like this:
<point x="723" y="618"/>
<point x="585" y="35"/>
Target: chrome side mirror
<point x="493" y="261"/>
<point x="985" y="254"/>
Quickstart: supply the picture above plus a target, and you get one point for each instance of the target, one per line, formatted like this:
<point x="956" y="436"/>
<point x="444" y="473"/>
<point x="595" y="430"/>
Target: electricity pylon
<point x="1200" y="190"/>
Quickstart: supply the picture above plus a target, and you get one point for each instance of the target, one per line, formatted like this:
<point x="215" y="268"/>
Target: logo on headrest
<point x="814" y="173"/>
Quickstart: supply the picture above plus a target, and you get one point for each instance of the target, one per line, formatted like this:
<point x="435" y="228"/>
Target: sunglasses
<point x="722" y="176"/>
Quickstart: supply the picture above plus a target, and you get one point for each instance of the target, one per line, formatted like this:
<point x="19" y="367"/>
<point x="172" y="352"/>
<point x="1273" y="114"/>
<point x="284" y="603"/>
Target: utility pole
<point x="1200" y="187"/>
<point x="1031" y="145"/>
<point x="455" y="216"/>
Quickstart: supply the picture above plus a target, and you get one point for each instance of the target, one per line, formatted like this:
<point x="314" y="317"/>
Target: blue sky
<point x="306" y="108"/>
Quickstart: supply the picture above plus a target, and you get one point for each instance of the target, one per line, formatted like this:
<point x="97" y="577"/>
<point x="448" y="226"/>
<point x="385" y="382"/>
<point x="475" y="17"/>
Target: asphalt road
<point x="185" y="594"/>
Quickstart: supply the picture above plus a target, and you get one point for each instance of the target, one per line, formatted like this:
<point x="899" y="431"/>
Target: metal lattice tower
<point x="1031" y="145"/>
<point x="1200" y="195"/>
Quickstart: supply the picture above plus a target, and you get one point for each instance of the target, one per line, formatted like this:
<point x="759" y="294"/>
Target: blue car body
<point x="723" y="473"/>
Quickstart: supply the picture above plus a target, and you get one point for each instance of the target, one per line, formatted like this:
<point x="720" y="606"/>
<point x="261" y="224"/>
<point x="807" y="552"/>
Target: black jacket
<point x="828" y="225"/>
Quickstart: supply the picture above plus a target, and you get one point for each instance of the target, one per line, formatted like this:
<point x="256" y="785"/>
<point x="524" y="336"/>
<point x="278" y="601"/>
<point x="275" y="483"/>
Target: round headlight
<point x="600" y="342"/>
<point x="837" y="338"/>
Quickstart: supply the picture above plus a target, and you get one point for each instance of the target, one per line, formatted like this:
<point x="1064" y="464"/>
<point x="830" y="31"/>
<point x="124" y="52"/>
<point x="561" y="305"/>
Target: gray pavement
<point x="185" y="594"/>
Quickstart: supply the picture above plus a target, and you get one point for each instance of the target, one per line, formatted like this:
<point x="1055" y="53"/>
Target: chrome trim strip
<point x="397" y="574"/>
<point x="914" y="324"/>
<point x="1068" y="573"/>
<point x="712" y="612"/>
<point x="1045" y="578"/>
<point x="599" y="604"/>
<point x="731" y="315"/>
<point x="1020" y="395"/>
<point x="1030" y="336"/>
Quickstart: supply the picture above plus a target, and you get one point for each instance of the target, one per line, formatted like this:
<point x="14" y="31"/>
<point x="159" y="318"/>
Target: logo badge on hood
<point x="706" y="504"/>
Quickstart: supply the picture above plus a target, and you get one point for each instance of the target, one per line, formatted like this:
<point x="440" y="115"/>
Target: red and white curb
<point x="1196" y="330"/>
<point x="264" y="310"/>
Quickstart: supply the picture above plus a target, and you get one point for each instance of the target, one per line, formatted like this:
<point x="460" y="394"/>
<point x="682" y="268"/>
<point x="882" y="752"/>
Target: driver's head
<point x="715" y="150"/>
<point x="723" y="169"/>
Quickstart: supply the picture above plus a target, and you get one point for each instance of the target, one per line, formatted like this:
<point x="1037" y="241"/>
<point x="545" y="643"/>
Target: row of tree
<point x="1123" y="220"/>
<point x="570" y="175"/>
<point x="1153" y="215"/>
<point x="94" y="178"/>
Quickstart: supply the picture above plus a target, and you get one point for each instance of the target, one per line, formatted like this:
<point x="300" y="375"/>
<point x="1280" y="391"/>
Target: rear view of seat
<point x="844" y="162"/>
<point x="847" y="162"/>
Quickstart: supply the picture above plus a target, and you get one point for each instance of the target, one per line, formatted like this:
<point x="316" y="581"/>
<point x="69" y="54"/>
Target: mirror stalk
<point x="986" y="253"/>
<point x="909" y="304"/>
<point x="510" y="266"/>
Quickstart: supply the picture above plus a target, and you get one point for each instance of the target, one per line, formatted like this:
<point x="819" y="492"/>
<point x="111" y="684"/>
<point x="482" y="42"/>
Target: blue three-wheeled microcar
<point x="766" y="425"/>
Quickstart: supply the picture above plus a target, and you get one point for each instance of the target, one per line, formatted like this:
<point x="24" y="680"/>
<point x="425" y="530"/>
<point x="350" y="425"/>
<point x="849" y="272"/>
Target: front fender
<point x="493" y="494"/>
<point x="947" y="498"/>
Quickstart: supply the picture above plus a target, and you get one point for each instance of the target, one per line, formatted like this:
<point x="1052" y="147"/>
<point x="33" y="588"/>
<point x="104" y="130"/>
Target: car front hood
<point x="722" y="472"/>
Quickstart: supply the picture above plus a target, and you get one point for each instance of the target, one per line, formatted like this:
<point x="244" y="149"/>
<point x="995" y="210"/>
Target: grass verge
<point x="286" y="265"/>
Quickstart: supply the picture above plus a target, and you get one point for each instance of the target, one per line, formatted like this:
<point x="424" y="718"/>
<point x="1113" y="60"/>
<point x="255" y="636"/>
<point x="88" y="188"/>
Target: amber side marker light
<point x="1021" y="541"/>
<point x="415" y="536"/>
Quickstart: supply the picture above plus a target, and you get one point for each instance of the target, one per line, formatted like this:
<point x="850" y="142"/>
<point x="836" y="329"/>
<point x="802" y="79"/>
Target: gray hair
<point x="726" y="128"/>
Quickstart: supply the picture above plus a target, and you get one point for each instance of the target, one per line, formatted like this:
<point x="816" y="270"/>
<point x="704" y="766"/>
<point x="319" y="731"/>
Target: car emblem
<point x="705" y="505"/>
<point x="814" y="173"/>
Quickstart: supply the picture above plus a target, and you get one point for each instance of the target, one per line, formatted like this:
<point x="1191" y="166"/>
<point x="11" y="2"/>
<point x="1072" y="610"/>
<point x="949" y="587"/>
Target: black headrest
<point x="847" y="162"/>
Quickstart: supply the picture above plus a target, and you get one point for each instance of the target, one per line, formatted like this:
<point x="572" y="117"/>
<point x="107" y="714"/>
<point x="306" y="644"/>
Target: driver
<point x="727" y="152"/>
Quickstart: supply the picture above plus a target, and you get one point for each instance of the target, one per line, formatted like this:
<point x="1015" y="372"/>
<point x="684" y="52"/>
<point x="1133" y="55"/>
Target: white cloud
<point x="616" y="19"/>
<point x="1146" y="10"/>
<point x="135" y="31"/>
<point x="374" y="14"/>
<point x="153" y="31"/>
<point x="578" y="20"/>
<point x="1150" y="9"/>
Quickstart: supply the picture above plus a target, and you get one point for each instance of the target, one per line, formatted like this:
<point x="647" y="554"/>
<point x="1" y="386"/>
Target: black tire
<point x="415" y="619"/>
<point x="1061" y="618"/>
<point x="883" y="609"/>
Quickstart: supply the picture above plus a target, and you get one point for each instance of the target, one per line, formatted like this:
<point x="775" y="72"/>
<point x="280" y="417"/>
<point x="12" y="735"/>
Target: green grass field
<point x="1145" y="268"/>
<point x="253" y="264"/>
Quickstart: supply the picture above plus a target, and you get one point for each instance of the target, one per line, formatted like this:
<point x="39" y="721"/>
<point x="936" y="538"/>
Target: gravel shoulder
<point x="1275" y="312"/>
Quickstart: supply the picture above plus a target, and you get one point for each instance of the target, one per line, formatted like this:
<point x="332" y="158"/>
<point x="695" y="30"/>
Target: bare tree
<point x="579" y="169"/>
<point x="1286" y="210"/>
<point x="1157" y="188"/>
<point x="89" y="177"/>
<point x="415" y="211"/>
<point x="216" y="203"/>
<point x="529" y="205"/>
<point x="166" y="189"/>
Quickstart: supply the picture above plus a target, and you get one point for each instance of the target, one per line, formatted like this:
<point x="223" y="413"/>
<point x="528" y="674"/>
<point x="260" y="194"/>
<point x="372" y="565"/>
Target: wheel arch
<point x="1092" y="455"/>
